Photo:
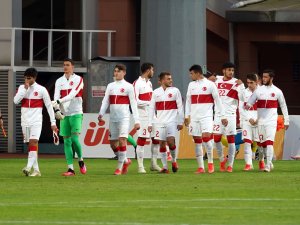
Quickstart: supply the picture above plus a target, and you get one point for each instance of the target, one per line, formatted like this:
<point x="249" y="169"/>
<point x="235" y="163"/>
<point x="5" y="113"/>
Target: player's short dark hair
<point x="31" y="72"/>
<point x="162" y="75"/>
<point x="146" y="66"/>
<point x="121" y="67"/>
<point x="270" y="72"/>
<point x="69" y="60"/>
<point x="228" y="65"/>
<point x="196" y="68"/>
<point x="252" y="76"/>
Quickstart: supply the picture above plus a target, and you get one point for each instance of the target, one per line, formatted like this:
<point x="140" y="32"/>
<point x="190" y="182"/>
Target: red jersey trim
<point x="79" y="84"/>
<point x="32" y="103"/>
<point x="233" y="94"/>
<point x="166" y="105"/>
<point x="224" y="86"/>
<point x="267" y="104"/>
<point x="198" y="99"/>
<point x="64" y="93"/>
<point x="119" y="99"/>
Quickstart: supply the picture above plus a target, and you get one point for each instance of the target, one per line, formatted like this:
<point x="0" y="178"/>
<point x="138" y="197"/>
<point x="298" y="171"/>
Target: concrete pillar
<point x="173" y="37"/>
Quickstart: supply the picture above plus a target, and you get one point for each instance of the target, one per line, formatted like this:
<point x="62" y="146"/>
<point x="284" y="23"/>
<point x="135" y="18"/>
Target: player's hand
<point x="179" y="127"/>
<point x="247" y="107"/>
<point x="54" y="128"/>
<point x="55" y="104"/>
<point x="224" y="122"/>
<point x="286" y="127"/>
<point x="239" y="82"/>
<point x="149" y="129"/>
<point x="186" y="122"/>
<point x="26" y="85"/>
<point x="100" y="118"/>
<point x="137" y="126"/>
<point x="252" y="121"/>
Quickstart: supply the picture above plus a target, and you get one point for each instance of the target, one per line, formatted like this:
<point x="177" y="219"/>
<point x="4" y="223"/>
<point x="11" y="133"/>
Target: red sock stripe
<point x="264" y="144"/>
<point x="116" y="149"/>
<point x="141" y="141"/>
<point x="268" y="142"/>
<point x="172" y="148"/>
<point x="259" y="144"/>
<point x="198" y="140"/>
<point x="155" y="142"/>
<point x="230" y="139"/>
<point x="206" y="139"/>
<point x="162" y="149"/>
<point x="122" y="148"/>
<point x="33" y="148"/>
<point x="217" y="138"/>
<point x="247" y="141"/>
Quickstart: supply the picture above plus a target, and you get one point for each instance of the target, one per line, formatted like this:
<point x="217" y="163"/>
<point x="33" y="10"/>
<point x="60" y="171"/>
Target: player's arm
<point x="133" y="105"/>
<point x="75" y="90"/>
<point x="187" y="106"/>
<point x="251" y="100"/>
<point x="151" y="113"/>
<point x="217" y="100"/>
<point x="105" y="103"/>
<point x="56" y="91"/>
<point x="48" y="105"/>
<point x="180" y="110"/>
<point x="284" y="109"/>
<point x="20" y="94"/>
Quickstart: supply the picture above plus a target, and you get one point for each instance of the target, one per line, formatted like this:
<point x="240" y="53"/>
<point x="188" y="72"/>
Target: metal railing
<point x="50" y="42"/>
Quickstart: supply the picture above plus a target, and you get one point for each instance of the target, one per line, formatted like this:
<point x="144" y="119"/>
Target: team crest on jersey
<point x="273" y="94"/>
<point x="71" y="83"/>
<point x="122" y="90"/>
<point x="35" y="93"/>
<point x="204" y="88"/>
<point x="170" y="95"/>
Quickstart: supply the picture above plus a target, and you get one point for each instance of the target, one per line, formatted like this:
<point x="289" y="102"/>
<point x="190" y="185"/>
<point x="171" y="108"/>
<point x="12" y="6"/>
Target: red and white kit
<point x="229" y="92"/>
<point x="201" y="96"/>
<point x="250" y="132"/>
<point x="267" y="98"/>
<point x="69" y="92"/>
<point x="118" y="96"/>
<point x="143" y="93"/>
<point x="32" y="101"/>
<point x="168" y="105"/>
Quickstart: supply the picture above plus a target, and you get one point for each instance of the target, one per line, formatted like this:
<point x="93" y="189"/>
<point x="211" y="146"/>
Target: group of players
<point x="210" y="111"/>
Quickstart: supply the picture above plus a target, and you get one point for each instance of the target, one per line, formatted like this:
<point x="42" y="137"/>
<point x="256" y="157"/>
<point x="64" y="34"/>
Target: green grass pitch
<point x="184" y="198"/>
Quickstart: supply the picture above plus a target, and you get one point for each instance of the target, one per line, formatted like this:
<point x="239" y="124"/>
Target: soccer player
<point x="248" y="120"/>
<point x="229" y="91"/>
<point x="68" y="97"/>
<point x="200" y="98"/>
<point x="268" y="96"/>
<point x="167" y="102"/>
<point x="118" y="96"/>
<point x="32" y="97"/>
<point x="143" y="93"/>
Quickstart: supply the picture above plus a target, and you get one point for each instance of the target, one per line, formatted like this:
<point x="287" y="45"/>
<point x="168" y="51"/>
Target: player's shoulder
<point x="277" y="89"/>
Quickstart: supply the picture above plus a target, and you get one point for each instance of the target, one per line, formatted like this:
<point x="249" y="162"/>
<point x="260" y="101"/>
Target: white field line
<point x="155" y="201"/>
<point x="81" y="223"/>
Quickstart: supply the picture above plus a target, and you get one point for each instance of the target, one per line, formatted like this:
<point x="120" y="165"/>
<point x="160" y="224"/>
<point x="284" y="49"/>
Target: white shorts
<point x="250" y="132"/>
<point x="32" y="132"/>
<point x="230" y="129"/>
<point x="196" y="128"/>
<point x="162" y="132"/>
<point x="118" y="129"/>
<point x="267" y="132"/>
<point x="143" y="131"/>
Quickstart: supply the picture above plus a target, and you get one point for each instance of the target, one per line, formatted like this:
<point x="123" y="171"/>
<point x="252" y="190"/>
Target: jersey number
<point x="216" y="127"/>
<point x="221" y="92"/>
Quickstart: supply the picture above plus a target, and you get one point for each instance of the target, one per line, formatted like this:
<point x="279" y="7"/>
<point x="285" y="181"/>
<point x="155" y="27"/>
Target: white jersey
<point x="168" y="106"/>
<point x="143" y="93"/>
<point x="229" y="92"/>
<point x="118" y="96"/>
<point x="246" y="115"/>
<point x="32" y="101"/>
<point x="200" y="98"/>
<point x="69" y="93"/>
<point x="267" y="98"/>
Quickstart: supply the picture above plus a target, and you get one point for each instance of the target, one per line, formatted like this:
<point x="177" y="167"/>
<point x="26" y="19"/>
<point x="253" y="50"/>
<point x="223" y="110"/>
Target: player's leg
<point x="65" y="131"/>
<point x="161" y="135"/>
<point x="154" y="153"/>
<point x="131" y="140"/>
<point x="206" y="125"/>
<point x="230" y="131"/>
<point x="35" y="133"/>
<point x="143" y="134"/>
<point x="217" y="133"/>
<point x="270" y="137"/>
<point x="172" y="146"/>
<point x="123" y="161"/>
<point x="76" y="125"/>
<point x="247" y="137"/>
<point x="194" y="130"/>
<point x="26" y="136"/>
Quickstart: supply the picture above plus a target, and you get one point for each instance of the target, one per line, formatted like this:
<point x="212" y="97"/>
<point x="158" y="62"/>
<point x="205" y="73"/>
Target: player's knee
<point x="230" y="139"/>
<point x="155" y="142"/>
<point x="197" y="140"/>
<point x="247" y="141"/>
<point x="141" y="141"/>
<point x="217" y="138"/>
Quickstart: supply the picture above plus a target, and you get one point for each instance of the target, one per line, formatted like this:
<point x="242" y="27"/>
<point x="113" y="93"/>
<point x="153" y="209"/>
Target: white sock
<point x="209" y="150"/>
<point x="36" y="164"/>
<point x="269" y="156"/>
<point x="121" y="159"/>
<point x="71" y="166"/>
<point x="231" y="153"/>
<point x="199" y="155"/>
<point x="31" y="159"/>
<point x="247" y="153"/>
<point x="173" y="154"/>
<point x="265" y="152"/>
<point x="164" y="160"/>
<point x="140" y="155"/>
<point x="260" y="153"/>
<point x="154" y="152"/>
<point x="220" y="151"/>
